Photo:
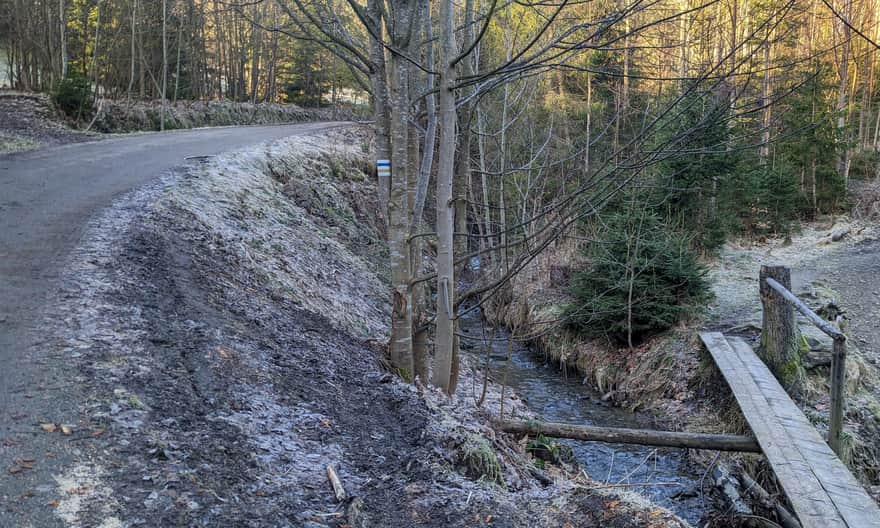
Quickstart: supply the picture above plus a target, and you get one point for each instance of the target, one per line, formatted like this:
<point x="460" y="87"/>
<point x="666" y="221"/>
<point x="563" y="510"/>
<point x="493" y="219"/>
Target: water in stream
<point x="662" y="475"/>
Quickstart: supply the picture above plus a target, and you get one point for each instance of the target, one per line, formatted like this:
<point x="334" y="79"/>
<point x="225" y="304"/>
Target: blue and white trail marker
<point x="383" y="168"/>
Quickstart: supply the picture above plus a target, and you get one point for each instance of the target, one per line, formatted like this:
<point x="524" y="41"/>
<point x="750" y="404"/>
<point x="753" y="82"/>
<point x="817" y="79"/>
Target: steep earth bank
<point x="225" y="323"/>
<point x="114" y="116"/>
<point x="30" y="120"/>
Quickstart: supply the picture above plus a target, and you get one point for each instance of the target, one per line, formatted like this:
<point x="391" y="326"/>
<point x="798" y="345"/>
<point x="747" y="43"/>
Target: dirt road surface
<point x="46" y="198"/>
<point x="854" y="273"/>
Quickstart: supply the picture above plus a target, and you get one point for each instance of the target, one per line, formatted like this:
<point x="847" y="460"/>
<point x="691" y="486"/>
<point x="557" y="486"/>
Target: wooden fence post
<point x="779" y="333"/>
<point x="838" y="396"/>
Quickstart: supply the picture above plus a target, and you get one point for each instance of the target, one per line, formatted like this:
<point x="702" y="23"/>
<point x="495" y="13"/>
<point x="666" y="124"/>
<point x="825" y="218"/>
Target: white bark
<point x="62" y="17"/>
<point x="443" y="352"/>
<point x="164" y="62"/>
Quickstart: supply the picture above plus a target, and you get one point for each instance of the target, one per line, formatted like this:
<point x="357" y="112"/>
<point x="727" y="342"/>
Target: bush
<point x="642" y="279"/>
<point x="73" y="95"/>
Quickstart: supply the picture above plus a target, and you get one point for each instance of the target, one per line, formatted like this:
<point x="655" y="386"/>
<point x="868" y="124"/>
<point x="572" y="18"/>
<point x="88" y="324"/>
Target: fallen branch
<point x="338" y="490"/>
<point x="631" y="485"/>
<point x="717" y="442"/>
<point x="786" y="518"/>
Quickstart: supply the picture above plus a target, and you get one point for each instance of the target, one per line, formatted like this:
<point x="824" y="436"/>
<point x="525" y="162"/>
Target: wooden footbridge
<point x="821" y="490"/>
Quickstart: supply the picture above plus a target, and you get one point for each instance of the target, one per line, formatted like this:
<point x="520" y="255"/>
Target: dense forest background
<point x="689" y="121"/>
<point x="817" y="123"/>
<point x="211" y="50"/>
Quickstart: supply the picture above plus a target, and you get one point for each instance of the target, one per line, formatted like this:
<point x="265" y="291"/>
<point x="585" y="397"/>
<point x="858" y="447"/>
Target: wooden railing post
<point x="779" y="333"/>
<point x="838" y="393"/>
<point x="780" y="329"/>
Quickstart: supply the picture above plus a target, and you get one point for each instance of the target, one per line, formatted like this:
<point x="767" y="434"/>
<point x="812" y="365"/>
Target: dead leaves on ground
<point x="224" y="352"/>
<point x="66" y="430"/>
<point x="20" y="465"/>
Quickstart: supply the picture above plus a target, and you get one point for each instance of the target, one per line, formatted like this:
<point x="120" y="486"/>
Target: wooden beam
<point x="780" y="338"/>
<point x="617" y="435"/>
<point x="814" y="318"/>
<point x="838" y="362"/>
<point x="838" y="395"/>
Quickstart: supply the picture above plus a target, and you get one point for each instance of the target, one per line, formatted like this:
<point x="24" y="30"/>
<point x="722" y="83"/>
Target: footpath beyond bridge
<point x="820" y="488"/>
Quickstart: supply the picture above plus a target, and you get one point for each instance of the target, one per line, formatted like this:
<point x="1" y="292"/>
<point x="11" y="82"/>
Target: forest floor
<point x="216" y="335"/>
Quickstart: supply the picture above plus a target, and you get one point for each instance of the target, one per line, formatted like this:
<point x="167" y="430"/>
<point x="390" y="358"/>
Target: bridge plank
<point x="820" y="488"/>
<point x="856" y="507"/>
<point x="808" y="499"/>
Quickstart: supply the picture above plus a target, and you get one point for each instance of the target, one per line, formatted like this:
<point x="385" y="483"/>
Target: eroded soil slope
<point x="225" y="322"/>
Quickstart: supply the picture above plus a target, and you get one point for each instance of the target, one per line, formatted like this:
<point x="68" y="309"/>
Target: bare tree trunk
<point x="142" y="81"/>
<point x="588" y="125"/>
<point x="444" y="338"/>
<point x="62" y="16"/>
<point x="95" y="71"/>
<point x="398" y="202"/>
<point x="256" y="46"/>
<point x="765" y="101"/>
<point x="134" y="5"/>
<point x="164" y="62"/>
<point x="427" y="162"/>
<point x="486" y="233"/>
<point x="177" y="66"/>
<point x="381" y="107"/>
<point x="843" y="157"/>
<point x="421" y="173"/>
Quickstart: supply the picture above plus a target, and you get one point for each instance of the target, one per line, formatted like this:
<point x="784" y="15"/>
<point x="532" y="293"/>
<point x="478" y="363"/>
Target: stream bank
<point x="664" y="476"/>
<point x="223" y="325"/>
<point x="670" y="377"/>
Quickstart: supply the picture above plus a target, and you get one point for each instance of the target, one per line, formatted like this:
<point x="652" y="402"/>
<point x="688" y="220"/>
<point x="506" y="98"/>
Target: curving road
<point x="46" y="198"/>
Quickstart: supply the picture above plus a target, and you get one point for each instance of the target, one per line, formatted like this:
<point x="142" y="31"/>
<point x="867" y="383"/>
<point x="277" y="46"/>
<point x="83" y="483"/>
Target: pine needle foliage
<point x="73" y="95"/>
<point x="642" y="278"/>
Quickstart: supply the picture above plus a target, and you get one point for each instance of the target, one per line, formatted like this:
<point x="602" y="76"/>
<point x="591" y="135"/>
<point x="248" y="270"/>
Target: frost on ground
<point x="824" y="271"/>
<point x="670" y="375"/>
<point x="115" y="116"/>
<point x="29" y="122"/>
<point x="227" y="319"/>
<point x="734" y="276"/>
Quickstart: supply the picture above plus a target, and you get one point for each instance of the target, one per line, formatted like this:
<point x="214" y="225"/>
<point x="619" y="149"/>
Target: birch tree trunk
<point x="398" y="202"/>
<point x="62" y="18"/>
<point x="444" y="339"/>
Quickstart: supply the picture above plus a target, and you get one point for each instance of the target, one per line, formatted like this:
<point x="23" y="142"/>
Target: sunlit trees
<point x="507" y="125"/>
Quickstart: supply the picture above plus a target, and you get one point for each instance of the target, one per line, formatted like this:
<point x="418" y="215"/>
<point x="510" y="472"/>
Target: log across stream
<point x="675" y="482"/>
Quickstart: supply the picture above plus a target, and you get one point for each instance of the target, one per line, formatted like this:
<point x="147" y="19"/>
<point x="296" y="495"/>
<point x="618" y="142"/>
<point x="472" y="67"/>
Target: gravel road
<point x="46" y="198"/>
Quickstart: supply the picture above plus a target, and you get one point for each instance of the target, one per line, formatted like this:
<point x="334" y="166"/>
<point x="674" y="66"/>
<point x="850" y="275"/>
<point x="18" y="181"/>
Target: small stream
<point x="674" y="483"/>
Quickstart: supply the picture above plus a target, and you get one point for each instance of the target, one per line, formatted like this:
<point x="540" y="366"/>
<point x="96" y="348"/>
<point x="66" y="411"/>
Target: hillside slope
<point x="224" y="322"/>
